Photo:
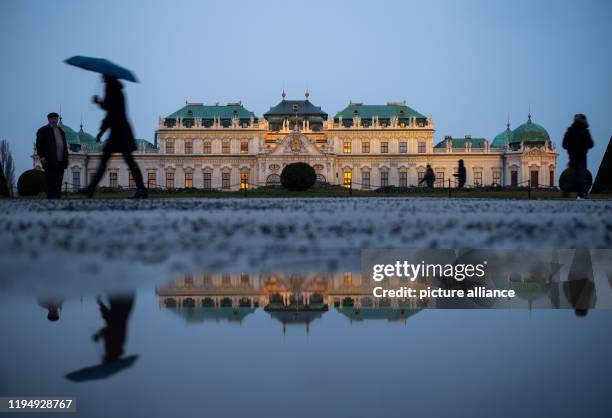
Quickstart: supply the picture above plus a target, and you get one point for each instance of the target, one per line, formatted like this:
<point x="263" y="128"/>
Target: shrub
<point x="31" y="183"/>
<point x="298" y="177"/>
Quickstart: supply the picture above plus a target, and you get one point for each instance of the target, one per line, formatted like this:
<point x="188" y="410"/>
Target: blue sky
<point x="469" y="64"/>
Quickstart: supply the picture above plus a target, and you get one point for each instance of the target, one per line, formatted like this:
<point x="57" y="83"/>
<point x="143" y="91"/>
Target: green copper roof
<point x="86" y="138"/>
<point x="304" y="108"/>
<point x="144" y="144"/>
<point x="529" y="132"/>
<point x="502" y="139"/>
<point x="198" y="110"/>
<point x="382" y="111"/>
<point x="71" y="136"/>
<point x="460" y="143"/>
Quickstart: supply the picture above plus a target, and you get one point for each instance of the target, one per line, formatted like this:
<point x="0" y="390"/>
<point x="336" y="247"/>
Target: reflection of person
<point x="52" y="150"/>
<point x="53" y="307"/>
<point x="121" y="138"/>
<point x="115" y="332"/>
<point x="429" y="178"/>
<point x="577" y="141"/>
<point x="580" y="286"/>
<point x="460" y="174"/>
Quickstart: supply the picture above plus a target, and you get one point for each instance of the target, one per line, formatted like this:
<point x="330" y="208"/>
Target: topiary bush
<point x="31" y="183"/>
<point x="298" y="177"/>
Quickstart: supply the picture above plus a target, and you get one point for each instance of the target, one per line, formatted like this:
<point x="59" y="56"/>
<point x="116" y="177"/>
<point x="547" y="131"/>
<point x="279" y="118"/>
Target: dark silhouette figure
<point x="4" y="189"/>
<point x="580" y="285"/>
<point x="121" y="139"/>
<point x="460" y="174"/>
<point x="53" y="307"/>
<point x="52" y="150"/>
<point x="429" y="178"/>
<point x="577" y="141"/>
<point x="603" y="181"/>
<point x="116" y="316"/>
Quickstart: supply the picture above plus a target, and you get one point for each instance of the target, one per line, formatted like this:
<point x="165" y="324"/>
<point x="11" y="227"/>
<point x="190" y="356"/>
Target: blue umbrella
<point x="102" y="66"/>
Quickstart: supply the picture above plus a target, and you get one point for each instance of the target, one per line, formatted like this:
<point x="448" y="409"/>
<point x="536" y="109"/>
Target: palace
<point x="364" y="146"/>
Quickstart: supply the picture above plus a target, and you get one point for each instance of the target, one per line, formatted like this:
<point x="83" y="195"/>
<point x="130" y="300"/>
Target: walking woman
<point x="121" y="139"/>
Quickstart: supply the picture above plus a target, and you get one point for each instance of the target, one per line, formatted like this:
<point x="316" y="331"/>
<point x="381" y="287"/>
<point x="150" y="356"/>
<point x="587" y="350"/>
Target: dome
<point x="529" y="133"/>
<point x="502" y="139"/>
<point x="72" y="138"/>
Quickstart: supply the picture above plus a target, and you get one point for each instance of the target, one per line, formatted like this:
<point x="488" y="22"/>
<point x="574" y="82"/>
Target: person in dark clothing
<point x="52" y="151"/>
<point x="121" y="139"/>
<point x="577" y="141"/>
<point x="429" y="178"/>
<point x="4" y="189"/>
<point x="460" y="174"/>
<point x="115" y="332"/>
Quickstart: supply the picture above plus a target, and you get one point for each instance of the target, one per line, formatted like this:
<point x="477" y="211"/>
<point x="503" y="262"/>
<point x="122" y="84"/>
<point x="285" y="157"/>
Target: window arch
<point x="273" y="180"/>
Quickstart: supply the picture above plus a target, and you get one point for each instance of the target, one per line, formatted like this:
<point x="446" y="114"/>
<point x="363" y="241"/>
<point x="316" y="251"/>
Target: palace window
<point x="534" y="177"/>
<point x="477" y="178"/>
<point x="207" y="149"/>
<point x="421" y="148"/>
<point x="348" y="278"/>
<point x="207" y="180"/>
<point x="225" y="147"/>
<point x="384" y="178"/>
<point x="131" y="181"/>
<point x="189" y="179"/>
<point x="403" y="147"/>
<point x="188" y="147"/>
<point x="365" y="179"/>
<point x="169" y="147"/>
<point x="244" y="280"/>
<point x="347" y="147"/>
<point x="112" y="180"/>
<point x="384" y="147"/>
<point x="365" y="147"/>
<point x="347" y="179"/>
<point x="169" y="179"/>
<point x="225" y="180"/>
<point x="244" y="180"/>
<point x="551" y="177"/>
<point x="439" y="179"/>
<point x="420" y="175"/>
<point x="403" y="180"/>
<point x="151" y="180"/>
<point x="244" y="147"/>
<point x="514" y="178"/>
<point x="76" y="180"/>
<point x="497" y="177"/>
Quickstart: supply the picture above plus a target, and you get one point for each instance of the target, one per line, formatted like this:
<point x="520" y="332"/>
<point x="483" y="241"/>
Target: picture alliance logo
<point x="412" y="271"/>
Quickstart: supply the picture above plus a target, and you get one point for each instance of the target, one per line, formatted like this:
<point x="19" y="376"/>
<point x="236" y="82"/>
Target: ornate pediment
<point x="296" y="144"/>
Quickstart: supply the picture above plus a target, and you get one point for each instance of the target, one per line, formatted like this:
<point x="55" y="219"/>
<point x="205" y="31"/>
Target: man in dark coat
<point x="121" y="138"/>
<point x="52" y="151"/>
<point x="460" y="174"/>
<point x="577" y="141"/>
<point x="429" y="178"/>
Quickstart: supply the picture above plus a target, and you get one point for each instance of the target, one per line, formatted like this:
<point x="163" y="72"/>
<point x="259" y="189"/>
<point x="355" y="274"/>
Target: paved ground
<point x="121" y="240"/>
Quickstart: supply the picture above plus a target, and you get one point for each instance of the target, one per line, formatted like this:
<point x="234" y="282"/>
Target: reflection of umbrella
<point x="102" y="66"/>
<point x="101" y="371"/>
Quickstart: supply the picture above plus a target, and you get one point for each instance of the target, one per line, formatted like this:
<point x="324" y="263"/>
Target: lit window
<point x="188" y="147"/>
<point x="384" y="178"/>
<point x="244" y="180"/>
<point x="421" y="147"/>
<point x="365" y="147"/>
<point x="403" y="147"/>
<point x="189" y="180"/>
<point x="169" y="147"/>
<point x="365" y="179"/>
<point x="225" y="180"/>
<point x="112" y="180"/>
<point x="347" y="147"/>
<point x="169" y="179"/>
<point x="244" y="147"/>
<point x="151" y="180"/>
<point x="206" y="148"/>
<point x="348" y="278"/>
<point x="225" y="148"/>
<point x="347" y="179"/>
<point x="384" y="147"/>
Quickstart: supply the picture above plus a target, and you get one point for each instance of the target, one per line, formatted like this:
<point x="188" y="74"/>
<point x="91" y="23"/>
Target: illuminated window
<point x="347" y="179"/>
<point x="188" y="147"/>
<point x="365" y="179"/>
<point x="169" y="179"/>
<point x="169" y="147"/>
<point x="365" y="147"/>
<point x="225" y="147"/>
<point x="244" y="180"/>
<point x="244" y="147"/>
<point x="131" y="181"/>
<point x="384" y="147"/>
<point x="207" y="149"/>
<point x="112" y="180"/>
<point x="189" y="179"/>
<point x="348" y="278"/>
<point x="403" y="180"/>
<point x="421" y="148"/>
<point x="207" y="184"/>
<point x="347" y="147"/>
<point x="384" y="178"/>
<point x="225" y="180"/>
<point x="151" y="180"/>
<point x="403" y="147"/>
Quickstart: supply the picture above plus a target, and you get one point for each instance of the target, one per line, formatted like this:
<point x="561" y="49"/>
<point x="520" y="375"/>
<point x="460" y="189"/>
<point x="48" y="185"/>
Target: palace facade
<point x="227" y="147"/>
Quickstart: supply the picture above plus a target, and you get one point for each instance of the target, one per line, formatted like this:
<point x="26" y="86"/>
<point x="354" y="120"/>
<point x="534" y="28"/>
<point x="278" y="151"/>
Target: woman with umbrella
<point x="121" y="139"/>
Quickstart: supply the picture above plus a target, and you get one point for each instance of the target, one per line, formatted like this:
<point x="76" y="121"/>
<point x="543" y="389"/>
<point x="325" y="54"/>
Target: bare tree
<point x="7" y="164"/>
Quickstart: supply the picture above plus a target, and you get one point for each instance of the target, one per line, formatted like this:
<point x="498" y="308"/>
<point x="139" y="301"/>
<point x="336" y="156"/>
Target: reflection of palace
<point x="290" y="299"/>
<point x="364" y="146"/>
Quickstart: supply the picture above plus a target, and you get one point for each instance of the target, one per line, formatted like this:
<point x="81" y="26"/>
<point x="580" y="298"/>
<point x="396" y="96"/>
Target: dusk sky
<point x="468" y="64"/>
